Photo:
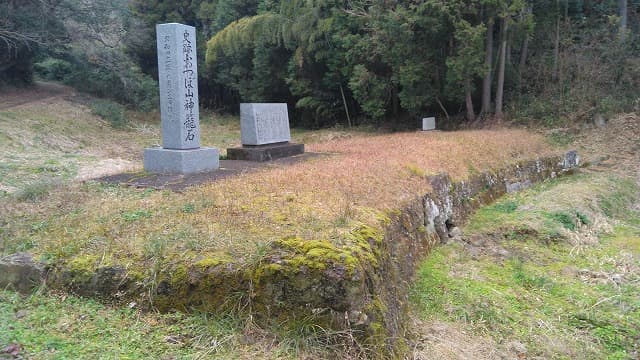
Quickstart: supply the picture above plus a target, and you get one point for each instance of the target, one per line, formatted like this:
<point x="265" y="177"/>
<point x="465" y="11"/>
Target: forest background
<point x="379" y="62"/>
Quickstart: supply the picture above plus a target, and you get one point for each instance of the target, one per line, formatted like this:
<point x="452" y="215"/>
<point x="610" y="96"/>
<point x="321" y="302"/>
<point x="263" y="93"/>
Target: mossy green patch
<point x="316" y="254"/>
<point x="414" y="170"/>
<point x="82" y="268"/>
<point x="362" y="245"/>
<point x="213" y="261"/>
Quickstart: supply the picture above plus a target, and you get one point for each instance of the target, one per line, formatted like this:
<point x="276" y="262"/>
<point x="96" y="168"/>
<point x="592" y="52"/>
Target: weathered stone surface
<point x="20" y="272"/>
<point x="169" y="161"/>
<point x="113" y="282"/>
<point x="571" y="160"/>
<point x="265" y="152"/>
<point x="455" y="234"/>
<point x="178" y="79"/>
<point x="264" y="123"/>
<point x="518" y="185"/>
<point x="179" y="112"/>
<point x="599" y="120"/>
<point x="428" y="123"/>
<point x="451" y="203"/>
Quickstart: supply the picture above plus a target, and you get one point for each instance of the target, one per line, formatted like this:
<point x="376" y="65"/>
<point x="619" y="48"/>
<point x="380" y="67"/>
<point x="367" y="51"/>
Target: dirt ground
<point x="228" y="168"/>
<point x="11" y="97"/>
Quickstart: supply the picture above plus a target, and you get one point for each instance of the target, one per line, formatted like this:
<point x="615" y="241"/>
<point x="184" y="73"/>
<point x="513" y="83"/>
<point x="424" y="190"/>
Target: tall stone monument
<point x="264" y="129"/>
<point x="178" y="77"/>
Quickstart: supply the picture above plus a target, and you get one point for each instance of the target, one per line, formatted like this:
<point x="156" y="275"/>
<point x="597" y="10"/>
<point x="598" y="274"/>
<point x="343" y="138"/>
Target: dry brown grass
<point x="449" y="341"/>
<point x="323" y="198"/>
<point x="616" y="146"/>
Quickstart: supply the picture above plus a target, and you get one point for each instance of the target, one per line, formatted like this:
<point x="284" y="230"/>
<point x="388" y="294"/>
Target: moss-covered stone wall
<point x="362" y="286"/>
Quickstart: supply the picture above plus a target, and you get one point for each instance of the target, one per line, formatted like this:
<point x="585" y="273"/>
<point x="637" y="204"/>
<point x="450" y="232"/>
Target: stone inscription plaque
<point x="428" y="123"/>
<point x="264" y="123"/>
<point x="178" y="78"/>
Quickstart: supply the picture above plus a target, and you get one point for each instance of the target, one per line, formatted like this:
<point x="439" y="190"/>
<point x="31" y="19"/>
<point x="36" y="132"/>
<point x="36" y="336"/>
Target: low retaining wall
<point x="361" y="285"/>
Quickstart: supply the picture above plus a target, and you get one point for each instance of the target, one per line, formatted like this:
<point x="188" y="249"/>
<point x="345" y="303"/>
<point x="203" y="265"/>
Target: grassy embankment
<point x="552" y="272"/>
<point x="53" y="217"/>
<point x="554" y="269"/>
<point x="46" y="147"/>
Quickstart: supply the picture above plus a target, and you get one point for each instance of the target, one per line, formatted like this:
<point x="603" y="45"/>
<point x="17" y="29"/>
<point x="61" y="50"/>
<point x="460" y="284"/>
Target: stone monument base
<point x="170" y="161"/>
<point x="265" y="152"/>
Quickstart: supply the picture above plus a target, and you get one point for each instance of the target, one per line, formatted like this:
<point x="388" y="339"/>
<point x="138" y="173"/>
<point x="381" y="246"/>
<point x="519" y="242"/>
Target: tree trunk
<point x="623" y="18"/>
<point x="586" y="7"/>
<point x="524" y="52"/>
<point x="488" y="63"/>
<point x="346" y="108"/>
<point x="471" y="115"/>
<point x="556" y="46"/>
<point x="395" y="101"/>
<point x="508" y="57"/>
<point x="4" y="67"/>
<point x="501" y="68"/>
<point x="523" y="61"/>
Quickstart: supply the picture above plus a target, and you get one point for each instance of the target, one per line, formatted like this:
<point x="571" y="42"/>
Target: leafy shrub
<point x="117" y="79"/>
<point x="110" y="111"/>
<point x="143" y="92"/>
<point x="566" y="220"/>
<point x="53" y="69"/>
<point x="583" y="218"/>
<point x="610" y="105"/>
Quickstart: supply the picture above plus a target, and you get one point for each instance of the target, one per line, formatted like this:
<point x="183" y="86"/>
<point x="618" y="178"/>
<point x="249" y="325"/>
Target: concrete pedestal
<point x="265" y="152"/>
<point x="169" y="161"/>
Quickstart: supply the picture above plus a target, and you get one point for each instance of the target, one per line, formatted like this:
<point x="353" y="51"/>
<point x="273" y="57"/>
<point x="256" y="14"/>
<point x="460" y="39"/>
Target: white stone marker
<point x="428" y="124"/>
<point x="264" y="123"/>
<point x="178" y="77"/>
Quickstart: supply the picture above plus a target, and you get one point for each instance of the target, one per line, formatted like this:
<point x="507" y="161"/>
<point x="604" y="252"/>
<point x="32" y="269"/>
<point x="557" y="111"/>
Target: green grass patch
<point x="616" y="203"/>
<point x="506" y="207"/>
<point x="131" y="216"/>
<point x="189" y="208"/>
<point x="69" y="327"/>
<point x="566" y="220"/>
<point x="560" y="138"/>
<point x="559" y="299"/>
<point x="584" y="219"/>
<point x="414" y="170"/>
<point x="528" y="280"/>
<point x="52" y="326"/>
<point x="35" y="191"/>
